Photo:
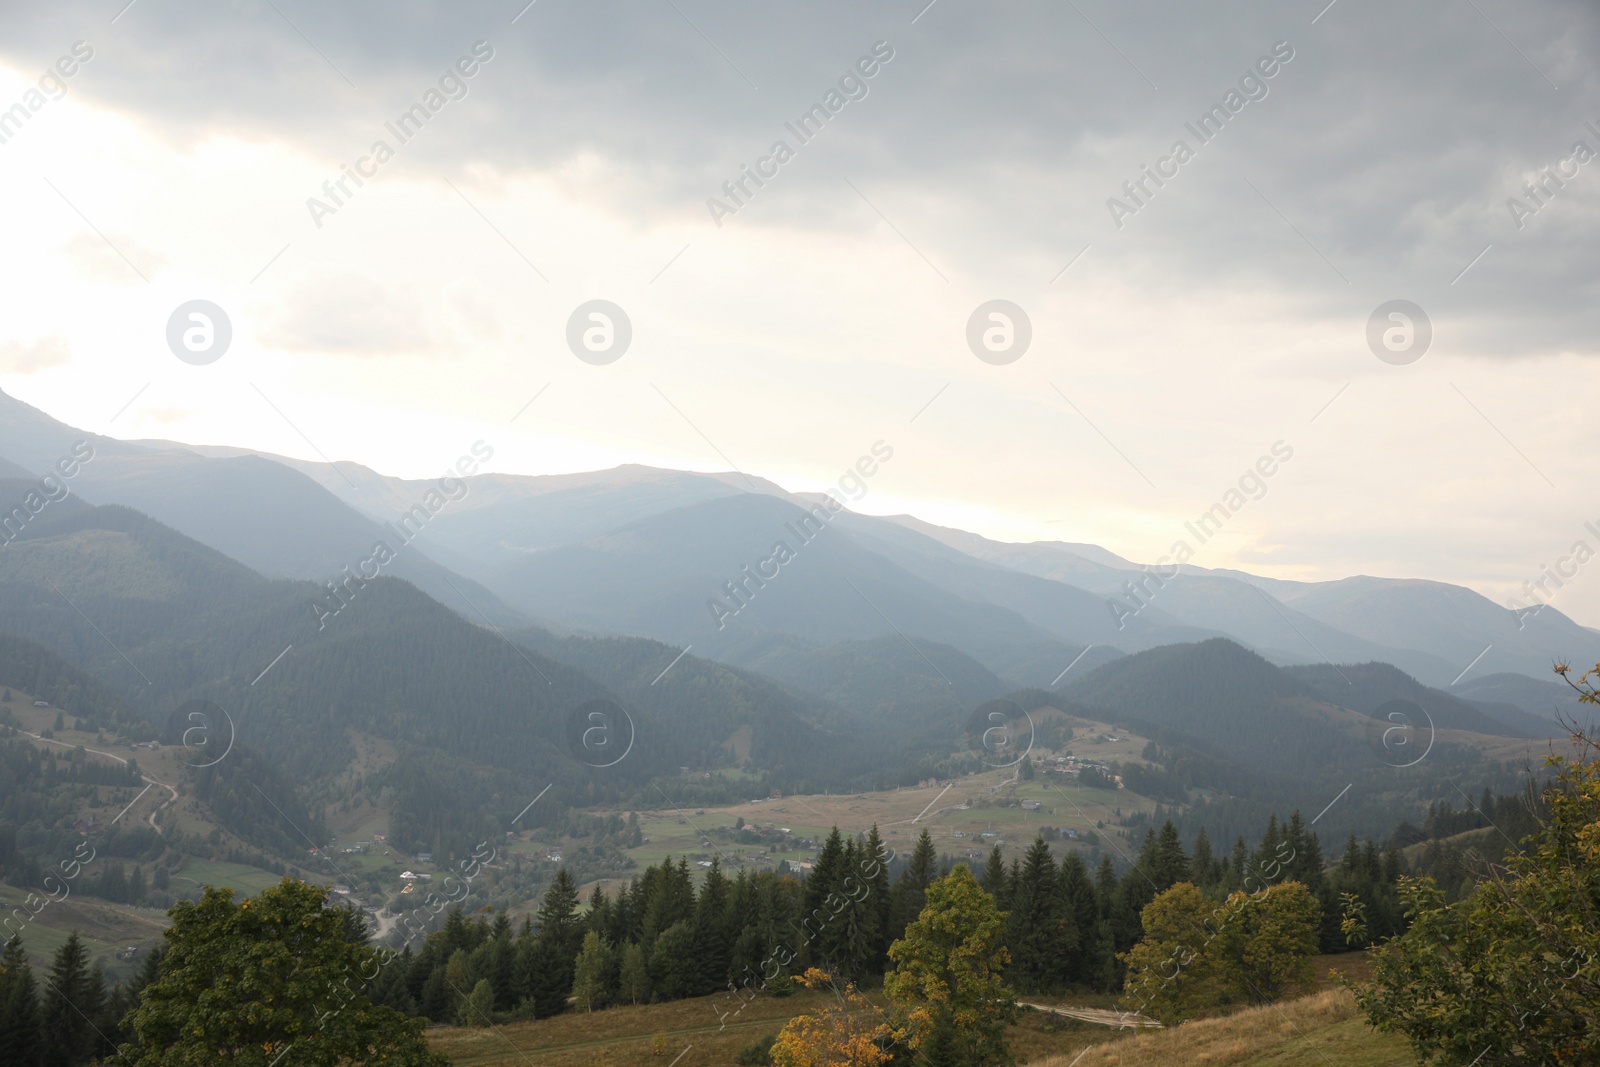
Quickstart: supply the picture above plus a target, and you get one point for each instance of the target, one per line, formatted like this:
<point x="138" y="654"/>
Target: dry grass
<point x="1314" y="1031"/>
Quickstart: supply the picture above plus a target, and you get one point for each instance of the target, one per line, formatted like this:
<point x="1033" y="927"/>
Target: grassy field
<point x="956" y="812"/>
<point x="623" y="1037"/>
<point x="103" y="928"/>
<point x="247" y="880"/>
<point x="1323" y="1028"/>
<point x="1314" y="1031"/>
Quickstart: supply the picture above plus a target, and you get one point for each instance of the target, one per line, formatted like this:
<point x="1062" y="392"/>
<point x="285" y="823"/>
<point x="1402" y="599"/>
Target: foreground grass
<point x="1314" y="1031"/>
<point x="623" y="1037"/>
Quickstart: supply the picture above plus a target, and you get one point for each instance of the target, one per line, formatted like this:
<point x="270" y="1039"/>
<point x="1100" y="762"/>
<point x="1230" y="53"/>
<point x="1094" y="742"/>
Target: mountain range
<point x="319" y="605"/>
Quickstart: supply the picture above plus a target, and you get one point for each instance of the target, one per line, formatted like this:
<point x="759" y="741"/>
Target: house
<point x="408" y="876"/>
<point x="41" y="703"/>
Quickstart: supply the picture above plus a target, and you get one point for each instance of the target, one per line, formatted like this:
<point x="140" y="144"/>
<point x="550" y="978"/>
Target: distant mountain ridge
<point x="636" y="551"/>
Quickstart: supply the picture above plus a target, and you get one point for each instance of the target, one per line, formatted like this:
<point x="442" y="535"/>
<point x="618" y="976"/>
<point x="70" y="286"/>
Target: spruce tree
<point x="911" y="888"/>
<point x="876" y="876"/>
<point x="502" y="968"/>
<point x="1138" y="888"/>
<point x="1080" y="906"/>
<point x="1203" y="864"/>
<point x="67" y="1039"/>
<point x="1105" y="886"/>
<point x="1042" y="941"/>
<point x="713" y="940"/>
<point x="994" y="878"/>
<point x="1171" y="866"/>
<point x="555" y="950"/>
<point x="1267" y="858"/>
<point x="826" y="875"/>
<point x="21" y="1032"/>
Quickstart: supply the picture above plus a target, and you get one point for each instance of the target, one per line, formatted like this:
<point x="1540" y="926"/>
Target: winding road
<point x="151" y="818"/>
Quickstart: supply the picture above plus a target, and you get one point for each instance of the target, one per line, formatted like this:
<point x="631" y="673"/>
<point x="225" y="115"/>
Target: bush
<point x="757" y="1053"/>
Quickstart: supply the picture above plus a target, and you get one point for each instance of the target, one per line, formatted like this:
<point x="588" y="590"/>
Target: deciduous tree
<point x="948" y="972"/>
<point x="245" y="980"/>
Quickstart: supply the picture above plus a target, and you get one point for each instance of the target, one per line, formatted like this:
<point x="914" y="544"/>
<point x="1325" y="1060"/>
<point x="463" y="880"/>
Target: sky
<point x="1179" y="328"/>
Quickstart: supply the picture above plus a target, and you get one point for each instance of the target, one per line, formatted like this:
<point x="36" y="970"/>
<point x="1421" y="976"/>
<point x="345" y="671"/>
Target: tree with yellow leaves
<point x="950" y="1002"/>
<point x="847" y="1033"/>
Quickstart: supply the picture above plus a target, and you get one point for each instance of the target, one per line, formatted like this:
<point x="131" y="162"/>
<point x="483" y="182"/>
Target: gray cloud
<point x="1389" y="145"/>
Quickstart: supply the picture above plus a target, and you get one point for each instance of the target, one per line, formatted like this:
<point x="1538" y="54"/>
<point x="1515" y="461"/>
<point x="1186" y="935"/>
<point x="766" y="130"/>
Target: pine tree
<point x="1266" y="859"/>
<point x="99" y="1021"/>
<point x="599" y="917"/>
<point x="1041" y="939"/>
<point x="713" y="940"/>
<point x="1080" y="906"/>
<point x="1237" y="861"/>
<point x="66" y="1038"/>
<point x="822" y="883"/>
<point x="1171" y="866"/>
<point x="1203" y="864"/>
<point x="21" y="1034"/>
<point x="502" y="968"/>
<point x="1137" y="889"/>
<point x="910" y="889"/>
<point x="1105" y="886"/>
<point x="875" y="875"/>
<point x="994" y="878"/>
<point x="556" y="947"/>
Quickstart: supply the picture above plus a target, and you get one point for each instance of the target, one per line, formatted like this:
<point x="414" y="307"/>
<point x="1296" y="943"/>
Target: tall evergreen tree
<point x="1203" y="864"/>
<point x="67" y="1038"/>
<point x="994" y="878"/>
<point x="713" y="937"/>
<point x="1171" y="865"/>
<point x="876" y="877"/>
<point x="911" y="888"/>
<point x="1079" y="904"/>
<point x="1105" y="886"/>
<point x="827" y="872"/>
<point x="21" y="1033"/>
<point x="1043" y="940"/>
<point x="555" y="949"/>
<point x="1137" y="888"/>
<point x="502" y="966"/>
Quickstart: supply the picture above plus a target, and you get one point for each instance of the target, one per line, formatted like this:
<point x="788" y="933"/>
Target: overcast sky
<point x="1176" y="336"/>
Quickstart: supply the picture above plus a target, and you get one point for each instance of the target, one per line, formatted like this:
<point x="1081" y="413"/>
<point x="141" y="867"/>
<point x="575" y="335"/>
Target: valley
<point x="185" y="710"/>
